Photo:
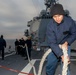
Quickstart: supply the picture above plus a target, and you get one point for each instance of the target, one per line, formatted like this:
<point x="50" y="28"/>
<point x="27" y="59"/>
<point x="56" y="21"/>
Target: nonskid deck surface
<point x="13" y="64"/>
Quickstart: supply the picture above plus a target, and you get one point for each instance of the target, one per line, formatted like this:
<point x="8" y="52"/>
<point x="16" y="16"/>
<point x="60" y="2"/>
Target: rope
<point x="42" y="61"/>
<point x="65" y="64"/>
<point x="34" y="70"/>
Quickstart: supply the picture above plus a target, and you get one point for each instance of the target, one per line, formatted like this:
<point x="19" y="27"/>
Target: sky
<point x="14" y="15"/>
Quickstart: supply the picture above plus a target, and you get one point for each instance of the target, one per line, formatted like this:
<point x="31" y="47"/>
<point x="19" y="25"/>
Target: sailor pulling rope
<point x="65" y="64"/>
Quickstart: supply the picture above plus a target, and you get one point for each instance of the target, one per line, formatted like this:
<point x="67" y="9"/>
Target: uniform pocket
<point x="66" y="32"/>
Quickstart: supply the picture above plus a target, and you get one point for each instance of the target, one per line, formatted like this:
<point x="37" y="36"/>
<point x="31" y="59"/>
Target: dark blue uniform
<point x="2" y="46"/>
<point x="29" y="45"/>
<point x="57" y="34"/>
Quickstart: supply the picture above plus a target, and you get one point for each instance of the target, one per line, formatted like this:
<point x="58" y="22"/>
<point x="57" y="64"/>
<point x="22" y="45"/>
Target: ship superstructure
<point x="37" y="26"/>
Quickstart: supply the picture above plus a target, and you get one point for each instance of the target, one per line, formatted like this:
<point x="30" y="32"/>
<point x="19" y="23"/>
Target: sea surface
<point x="11" y="42"/>
<point x="10" y="45"/>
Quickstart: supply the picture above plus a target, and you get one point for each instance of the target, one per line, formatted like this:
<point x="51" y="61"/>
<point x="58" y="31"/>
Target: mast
<point x="49" y="4"/>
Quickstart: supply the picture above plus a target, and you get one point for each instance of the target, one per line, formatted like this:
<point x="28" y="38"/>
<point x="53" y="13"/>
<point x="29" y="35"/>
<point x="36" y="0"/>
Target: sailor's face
<point x="58" y="18"/>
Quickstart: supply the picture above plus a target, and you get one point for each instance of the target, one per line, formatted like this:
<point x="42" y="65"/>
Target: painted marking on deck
<point x="28" y="68"/>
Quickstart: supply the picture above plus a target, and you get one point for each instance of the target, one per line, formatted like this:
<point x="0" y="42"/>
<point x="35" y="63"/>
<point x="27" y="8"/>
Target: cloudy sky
<point x="14" y="15"/>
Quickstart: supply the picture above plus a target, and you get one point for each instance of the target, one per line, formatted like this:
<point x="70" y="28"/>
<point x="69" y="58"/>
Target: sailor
<point x="28" y="42"/>
<point x="60" y="30"/>
<point x="2" y="46"/>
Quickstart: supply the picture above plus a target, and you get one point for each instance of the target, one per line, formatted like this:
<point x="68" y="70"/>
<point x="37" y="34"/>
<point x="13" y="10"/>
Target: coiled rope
<point x="65" y="64"/>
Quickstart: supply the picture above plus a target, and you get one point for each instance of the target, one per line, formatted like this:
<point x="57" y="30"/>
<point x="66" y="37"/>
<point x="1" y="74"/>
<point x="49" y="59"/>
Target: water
<point x="10" y="42"/>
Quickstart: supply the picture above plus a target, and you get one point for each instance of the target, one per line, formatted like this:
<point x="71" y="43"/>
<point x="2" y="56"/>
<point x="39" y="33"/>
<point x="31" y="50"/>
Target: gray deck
<point x="17" y="62"/>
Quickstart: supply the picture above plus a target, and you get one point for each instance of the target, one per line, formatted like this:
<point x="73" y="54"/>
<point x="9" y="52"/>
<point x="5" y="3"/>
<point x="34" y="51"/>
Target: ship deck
<point x="16" y="65"/>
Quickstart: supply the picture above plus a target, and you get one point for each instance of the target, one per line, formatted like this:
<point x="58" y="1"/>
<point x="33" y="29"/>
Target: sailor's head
<point x="57" y="13"/>
<point x="1" y="36"/>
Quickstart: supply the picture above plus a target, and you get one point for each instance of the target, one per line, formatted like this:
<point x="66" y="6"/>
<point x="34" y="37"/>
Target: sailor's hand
<point x="64" y="46"/>
<point x="62" y="58"/>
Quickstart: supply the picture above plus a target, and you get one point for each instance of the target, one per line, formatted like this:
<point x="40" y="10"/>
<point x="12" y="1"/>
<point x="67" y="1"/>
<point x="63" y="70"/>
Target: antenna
<point x="50" y="3"/>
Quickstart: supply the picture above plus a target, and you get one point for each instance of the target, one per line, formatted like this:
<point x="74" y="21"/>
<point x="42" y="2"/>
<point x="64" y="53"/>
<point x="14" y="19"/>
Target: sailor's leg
<point x="2" y="54"/>
<point x="51" y="65"/>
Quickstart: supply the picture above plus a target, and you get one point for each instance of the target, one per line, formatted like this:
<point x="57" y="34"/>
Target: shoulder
<point x="70" y="22"/>
<point x="68" y="19"/>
